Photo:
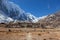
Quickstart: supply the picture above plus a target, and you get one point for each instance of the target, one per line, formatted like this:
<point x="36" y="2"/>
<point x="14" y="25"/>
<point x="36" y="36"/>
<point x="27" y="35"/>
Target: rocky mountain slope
<point x="51" y="21"/>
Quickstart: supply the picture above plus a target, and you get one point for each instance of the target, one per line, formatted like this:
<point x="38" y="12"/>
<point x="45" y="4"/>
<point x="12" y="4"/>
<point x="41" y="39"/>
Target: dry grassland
<point x="29" y="34"/>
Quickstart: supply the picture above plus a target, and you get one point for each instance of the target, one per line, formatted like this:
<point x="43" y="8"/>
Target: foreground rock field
<point x="29" y="34"/>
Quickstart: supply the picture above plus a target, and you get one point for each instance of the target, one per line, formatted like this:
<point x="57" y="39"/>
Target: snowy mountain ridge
<point x="10" y="11"/>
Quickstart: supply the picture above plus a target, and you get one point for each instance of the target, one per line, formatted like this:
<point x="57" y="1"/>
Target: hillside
<point x="51" y="21"/>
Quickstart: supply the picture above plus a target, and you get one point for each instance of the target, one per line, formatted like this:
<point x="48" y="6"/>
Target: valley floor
<point x="29" y="34"/>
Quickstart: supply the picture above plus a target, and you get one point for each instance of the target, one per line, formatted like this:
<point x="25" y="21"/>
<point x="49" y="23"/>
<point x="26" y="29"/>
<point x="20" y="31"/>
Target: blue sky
<point x="39" y="7"/>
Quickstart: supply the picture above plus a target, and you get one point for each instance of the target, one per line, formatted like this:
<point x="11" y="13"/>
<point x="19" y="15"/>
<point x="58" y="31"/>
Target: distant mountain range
<point x="10" y="11"/>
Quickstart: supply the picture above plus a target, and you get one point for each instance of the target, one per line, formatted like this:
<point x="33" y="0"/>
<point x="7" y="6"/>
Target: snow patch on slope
<point x="42" y="17"/>
<point x="33" y="18"/>
<point x="5" y="19"/>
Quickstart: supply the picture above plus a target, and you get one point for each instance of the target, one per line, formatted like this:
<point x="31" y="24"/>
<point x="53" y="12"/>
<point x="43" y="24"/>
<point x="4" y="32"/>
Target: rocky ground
<point x="29" y="34"/>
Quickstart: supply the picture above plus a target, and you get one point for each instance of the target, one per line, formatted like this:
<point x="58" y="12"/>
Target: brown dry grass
<point x="23" y="34"/>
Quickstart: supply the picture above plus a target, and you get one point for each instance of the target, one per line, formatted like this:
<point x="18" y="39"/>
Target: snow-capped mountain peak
<point x="11" y="11"/>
